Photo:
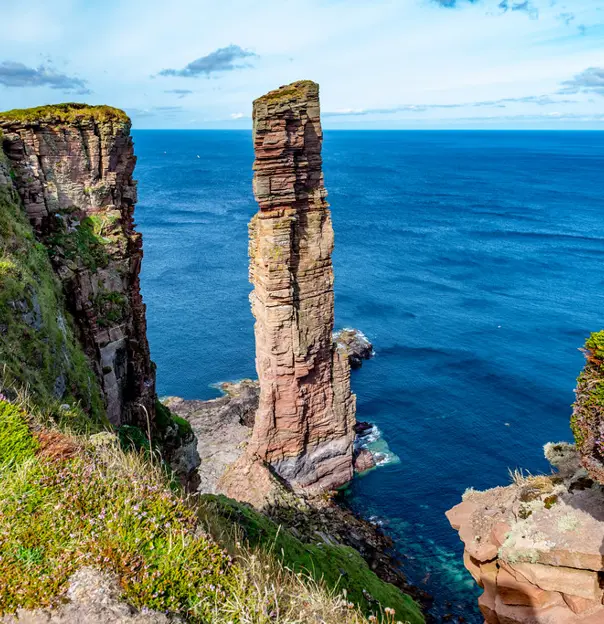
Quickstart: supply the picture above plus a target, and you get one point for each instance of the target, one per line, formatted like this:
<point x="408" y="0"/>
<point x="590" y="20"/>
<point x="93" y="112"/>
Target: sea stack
<point x="72" y="166"/>
<point x="304" y="427"/>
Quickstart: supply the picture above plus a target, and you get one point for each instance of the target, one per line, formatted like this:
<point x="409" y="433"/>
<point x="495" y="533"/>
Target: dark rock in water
<point x="356" y="345"/>
<point x="362" y="427"/>
<point x="363" y="461"/>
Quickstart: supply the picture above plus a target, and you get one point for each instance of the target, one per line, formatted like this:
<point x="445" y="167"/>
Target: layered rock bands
<point x="304" y="426"/>
<point x="72" y="166"/>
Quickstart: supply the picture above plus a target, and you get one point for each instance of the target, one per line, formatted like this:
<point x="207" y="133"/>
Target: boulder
<point x="363" y="461"/>
<point x="356" y="345"/>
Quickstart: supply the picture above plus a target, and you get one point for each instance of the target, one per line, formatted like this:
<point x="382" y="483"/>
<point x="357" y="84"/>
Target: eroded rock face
<point x="535" y="547"/>
<point x="73" y="170"/>
<point x="304" y="426"/>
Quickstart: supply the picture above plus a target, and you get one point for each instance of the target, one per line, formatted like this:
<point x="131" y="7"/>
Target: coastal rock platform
<point x="536" y="547"/>
<point x="222" y="427"/>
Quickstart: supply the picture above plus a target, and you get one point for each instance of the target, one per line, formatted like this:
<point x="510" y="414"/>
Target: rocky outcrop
<point x="304" y="425"/>
<point x="94" y="598"/>
<point x="72" y="167"/>
<point x="535" y="547"/>
<point x="222" y="428"/>
<point x="355" y="344"/>
<point x="363" y="460"/>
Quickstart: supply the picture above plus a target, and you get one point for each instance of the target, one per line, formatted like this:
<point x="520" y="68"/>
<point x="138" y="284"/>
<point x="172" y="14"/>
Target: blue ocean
<point x="472" y="261"/>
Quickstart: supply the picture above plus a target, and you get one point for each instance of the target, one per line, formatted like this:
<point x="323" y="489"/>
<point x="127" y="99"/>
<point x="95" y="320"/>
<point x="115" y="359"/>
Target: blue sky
<point x="380" y="63"/>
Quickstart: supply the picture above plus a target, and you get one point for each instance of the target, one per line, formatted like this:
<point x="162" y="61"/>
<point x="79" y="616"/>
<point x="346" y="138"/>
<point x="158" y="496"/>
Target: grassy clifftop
<point x="67" y="502"/>
<point x="68" y="112"/>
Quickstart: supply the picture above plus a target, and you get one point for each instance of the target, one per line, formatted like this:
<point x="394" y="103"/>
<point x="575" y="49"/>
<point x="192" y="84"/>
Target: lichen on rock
<point x="535" y="546"/>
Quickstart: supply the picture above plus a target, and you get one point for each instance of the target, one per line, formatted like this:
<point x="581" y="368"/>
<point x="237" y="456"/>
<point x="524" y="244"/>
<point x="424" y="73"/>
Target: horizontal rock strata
<point x="536" y="547"/>
<point x="73" y="168"/>
<point x="304" y="425"/>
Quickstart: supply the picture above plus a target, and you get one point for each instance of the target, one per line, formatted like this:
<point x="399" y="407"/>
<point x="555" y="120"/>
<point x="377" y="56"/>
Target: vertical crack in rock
<point x="73" y="169"/>
<point x="304" y="427"/>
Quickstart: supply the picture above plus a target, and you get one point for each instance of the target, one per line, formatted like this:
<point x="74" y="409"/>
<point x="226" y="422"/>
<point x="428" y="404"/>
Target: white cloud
<point x="367" y="55"/>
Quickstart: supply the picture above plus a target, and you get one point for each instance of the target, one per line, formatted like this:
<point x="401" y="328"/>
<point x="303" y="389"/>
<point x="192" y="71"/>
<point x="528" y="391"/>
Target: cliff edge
<point x="72" y="167"/>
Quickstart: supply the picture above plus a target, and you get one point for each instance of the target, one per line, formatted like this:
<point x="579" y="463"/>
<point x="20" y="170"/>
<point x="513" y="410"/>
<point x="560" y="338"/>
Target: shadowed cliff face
<point x="304" y="424"/>
<point x="72" y="167"/>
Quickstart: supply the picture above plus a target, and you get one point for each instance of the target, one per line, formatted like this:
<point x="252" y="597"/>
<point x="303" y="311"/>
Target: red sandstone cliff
<point x="304" y="427"/>
<point x="73" y="167"/>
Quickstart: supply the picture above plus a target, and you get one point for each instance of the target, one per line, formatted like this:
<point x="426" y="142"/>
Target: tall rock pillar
<point x="304" y="427"/>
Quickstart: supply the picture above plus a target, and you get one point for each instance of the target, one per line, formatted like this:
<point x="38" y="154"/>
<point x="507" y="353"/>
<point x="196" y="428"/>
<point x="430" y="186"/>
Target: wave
<point x="373" y="441"/>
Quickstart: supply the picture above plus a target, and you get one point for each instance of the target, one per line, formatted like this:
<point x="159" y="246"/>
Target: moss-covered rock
<point x="39" y="352"/>
<point x="16" y="442"/>
<point x="588" y="411"/>
<point x="295" y="90"/>
<point x="68" y="112"/>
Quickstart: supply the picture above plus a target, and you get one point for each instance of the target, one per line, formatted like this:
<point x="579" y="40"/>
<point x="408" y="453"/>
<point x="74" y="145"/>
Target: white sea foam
<point x="373" y="441"/>
<point x="336" y="333"/>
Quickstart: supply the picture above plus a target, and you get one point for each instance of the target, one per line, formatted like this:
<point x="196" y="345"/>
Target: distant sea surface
<point x="474" y="261"/>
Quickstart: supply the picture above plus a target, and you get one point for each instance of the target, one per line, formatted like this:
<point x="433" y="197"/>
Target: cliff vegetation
<point x="68" y="502"/>
<point x="69" y="112"/>
<point x="40" y="352"/>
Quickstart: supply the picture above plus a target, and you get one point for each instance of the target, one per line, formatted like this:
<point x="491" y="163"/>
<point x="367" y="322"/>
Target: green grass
<point x="68" y="112"/>
<point x="339" y="567"/>
<point x="165" y="418"/>
<point x="38" y="347"/>
<point x="595" y="345"/>
<point x="83" y="244"/>
<point x="116" y="511"/>
<point x="16" y="442"/>
<point x="58" y="516"/>
<point x="588" y="409"/>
